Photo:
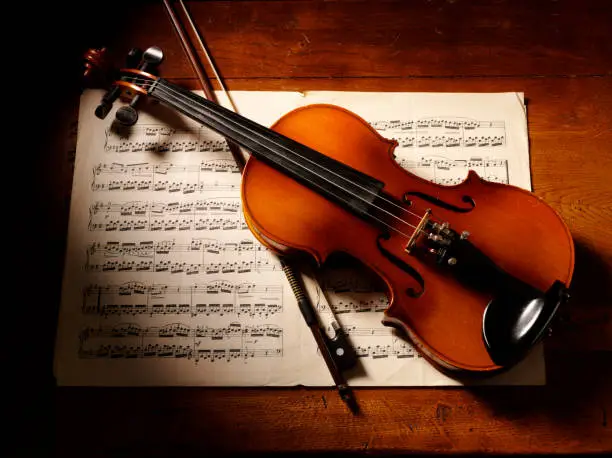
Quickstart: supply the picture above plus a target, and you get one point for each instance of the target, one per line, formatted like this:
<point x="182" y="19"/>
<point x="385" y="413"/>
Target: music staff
<point x="165" y="168"/>
<point x="208" y="175"/>
<point x="444" y="133"/>
<point x="453" y="123"/>
<point x="449" y="141"/>
<point x="161" y="139"/>
<point x="453" y="171"/>
<point x="219" y="298"/>
<point x="189" y="268"/>
<point x="209" y="214"/>
<point x="354" y="303"/>
<point x="208" y="256"/>
<point x="177" y="340"/>
<point x="398" y="349"/>
<point x="386" y="342"/>
<point x="149" y="248"/>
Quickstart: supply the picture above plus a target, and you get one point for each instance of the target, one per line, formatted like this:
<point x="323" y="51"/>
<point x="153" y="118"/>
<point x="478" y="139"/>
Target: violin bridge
<point x="418" y="231"/>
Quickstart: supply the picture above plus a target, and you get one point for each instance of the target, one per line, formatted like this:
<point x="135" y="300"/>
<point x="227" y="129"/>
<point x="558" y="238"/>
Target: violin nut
<point x="153" y="55"/>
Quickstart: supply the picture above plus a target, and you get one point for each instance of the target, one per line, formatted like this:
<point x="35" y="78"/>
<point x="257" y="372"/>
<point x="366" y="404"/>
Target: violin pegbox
<point x="129" y="83"/>
<point x="97" y="68"/>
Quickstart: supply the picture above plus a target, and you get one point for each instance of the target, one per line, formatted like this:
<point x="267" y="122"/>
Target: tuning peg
<point x="106" y="104"/>
<point x="127" y="116"/>
<point x="98" y="71"/>
<point x="133" y="58"/>
<point x="96" y="59"/>
<point x="152" y="57"/>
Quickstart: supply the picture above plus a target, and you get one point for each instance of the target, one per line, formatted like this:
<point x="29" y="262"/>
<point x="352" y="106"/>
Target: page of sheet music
<point x="164" y="283"/>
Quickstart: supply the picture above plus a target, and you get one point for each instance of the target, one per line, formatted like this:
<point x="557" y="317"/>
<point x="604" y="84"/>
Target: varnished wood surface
<point x="558" y="52"/>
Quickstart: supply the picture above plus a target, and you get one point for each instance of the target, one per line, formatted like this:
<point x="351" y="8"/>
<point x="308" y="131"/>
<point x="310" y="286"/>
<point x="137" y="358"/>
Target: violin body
<point x="442" y="317"/>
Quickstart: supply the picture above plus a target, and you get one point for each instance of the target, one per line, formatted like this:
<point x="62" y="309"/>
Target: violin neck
<point x="348" y="187"/>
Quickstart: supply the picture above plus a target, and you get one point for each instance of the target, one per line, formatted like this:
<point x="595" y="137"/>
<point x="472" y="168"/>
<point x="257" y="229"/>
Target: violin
<point x="475" y="273"/>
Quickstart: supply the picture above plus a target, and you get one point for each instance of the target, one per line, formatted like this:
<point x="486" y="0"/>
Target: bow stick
<point x="337" y="352"/>
<point x="201" y="74"/>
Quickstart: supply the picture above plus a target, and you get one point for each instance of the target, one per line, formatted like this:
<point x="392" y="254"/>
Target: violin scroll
<point x="96" y="64"/>
<point x="129" y="83"/>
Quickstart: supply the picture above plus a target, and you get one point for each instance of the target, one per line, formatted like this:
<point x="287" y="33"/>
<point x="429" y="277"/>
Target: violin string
<point x="383" y="223"/>
<point x="181" y="98"/>
<point x="169" y="90"/>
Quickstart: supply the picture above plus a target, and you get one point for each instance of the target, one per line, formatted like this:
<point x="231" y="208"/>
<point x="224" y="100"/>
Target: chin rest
<point x="515" y="321"/>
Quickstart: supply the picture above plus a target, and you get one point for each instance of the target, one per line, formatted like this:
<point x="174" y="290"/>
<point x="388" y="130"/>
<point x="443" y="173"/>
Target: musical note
<point x="209" y="175"/>
<point x="202" y="215"/>
<point x="355" y="303"/>
<point x="149" y="248"/>
<point x="402" y="350"/>
<point x="444" y="133"/>
<point x="454" y="171"/>
<point x="381" y="342"/>
<point x="178" y="340"/>
<point x="161" y="139"/>
<point x="435" y="123"/>
<point x="218" y="298"/>
<point x="209" y="256"/>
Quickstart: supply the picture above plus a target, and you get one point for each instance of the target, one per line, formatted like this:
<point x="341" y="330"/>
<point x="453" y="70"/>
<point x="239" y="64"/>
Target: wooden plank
<point x="385" y="39"/>
<point x="568" y="416"/>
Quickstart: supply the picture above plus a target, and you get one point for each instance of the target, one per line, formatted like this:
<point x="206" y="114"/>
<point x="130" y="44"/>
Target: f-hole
<point x="402" y="265"/>
<point x="440" y="203"/>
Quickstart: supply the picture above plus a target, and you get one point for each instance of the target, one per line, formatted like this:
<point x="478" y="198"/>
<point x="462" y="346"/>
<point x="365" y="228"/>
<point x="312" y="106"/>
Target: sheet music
<point x="164" y="283"/>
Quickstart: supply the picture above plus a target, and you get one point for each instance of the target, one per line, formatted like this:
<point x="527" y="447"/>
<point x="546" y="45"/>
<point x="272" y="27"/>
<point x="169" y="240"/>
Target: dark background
<point x="43" y="45"/>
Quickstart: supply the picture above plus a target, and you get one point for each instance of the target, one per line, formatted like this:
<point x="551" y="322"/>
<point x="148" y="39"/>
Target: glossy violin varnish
<point x="444" y="252"/>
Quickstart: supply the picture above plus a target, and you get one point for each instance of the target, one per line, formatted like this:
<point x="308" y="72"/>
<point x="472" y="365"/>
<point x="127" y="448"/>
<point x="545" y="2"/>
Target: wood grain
<point x="563" y="417"/>
<point x="558" y="52"/>
<point x="393" y="38"/>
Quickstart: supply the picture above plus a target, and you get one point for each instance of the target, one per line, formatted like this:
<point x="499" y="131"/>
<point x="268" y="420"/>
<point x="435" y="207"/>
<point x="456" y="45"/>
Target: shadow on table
<point x="578" y="360"/>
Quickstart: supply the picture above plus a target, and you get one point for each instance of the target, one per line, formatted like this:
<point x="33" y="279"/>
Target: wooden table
<point x="558" y="52"/>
